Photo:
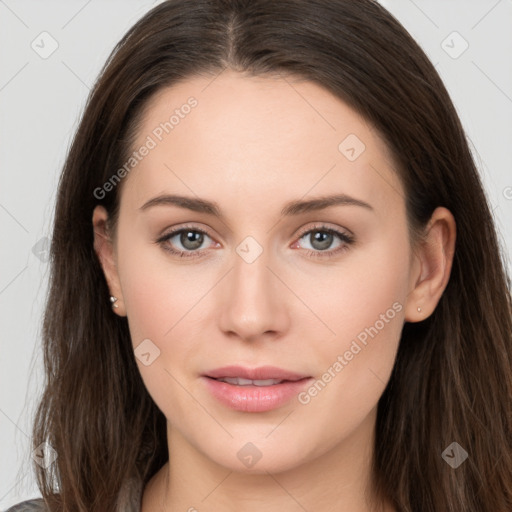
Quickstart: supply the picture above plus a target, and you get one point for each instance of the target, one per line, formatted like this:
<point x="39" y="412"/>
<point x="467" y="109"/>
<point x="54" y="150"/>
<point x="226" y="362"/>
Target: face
<point x="264" y="273"/>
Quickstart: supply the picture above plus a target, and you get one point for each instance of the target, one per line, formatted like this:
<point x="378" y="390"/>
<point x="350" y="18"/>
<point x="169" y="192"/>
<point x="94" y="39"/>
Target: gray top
<point x="30" y="505"/>
<point x="129" y="500"/>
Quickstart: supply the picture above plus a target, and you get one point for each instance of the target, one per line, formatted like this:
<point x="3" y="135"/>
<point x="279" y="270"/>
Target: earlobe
<point x="432" y="266"/>
<point x="105" y="251"/>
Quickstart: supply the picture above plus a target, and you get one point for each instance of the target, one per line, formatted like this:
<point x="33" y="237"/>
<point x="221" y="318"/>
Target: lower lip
<point x="255" y="398"/>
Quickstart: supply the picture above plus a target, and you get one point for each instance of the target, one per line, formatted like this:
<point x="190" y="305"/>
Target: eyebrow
<point x="290" y="209"/>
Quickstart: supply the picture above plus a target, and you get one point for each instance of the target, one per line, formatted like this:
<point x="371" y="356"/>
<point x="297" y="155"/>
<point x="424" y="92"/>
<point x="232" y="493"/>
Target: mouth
<point x="254" y="390"/>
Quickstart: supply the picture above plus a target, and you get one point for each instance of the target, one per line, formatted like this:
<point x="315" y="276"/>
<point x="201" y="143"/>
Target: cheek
<point x="351" y="295"/>
<point x="364" y="306"/>
<point x="162" y="302"/>
<point x="159" y="294"/>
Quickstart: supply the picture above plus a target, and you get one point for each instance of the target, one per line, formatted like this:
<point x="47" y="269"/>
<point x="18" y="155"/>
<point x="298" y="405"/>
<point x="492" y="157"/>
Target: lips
<point x="254" y="390"/>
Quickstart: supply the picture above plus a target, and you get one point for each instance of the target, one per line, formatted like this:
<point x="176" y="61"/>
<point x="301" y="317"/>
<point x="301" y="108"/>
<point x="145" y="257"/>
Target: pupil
<point x="191" y="239"/>
<point x="322" y="240"/>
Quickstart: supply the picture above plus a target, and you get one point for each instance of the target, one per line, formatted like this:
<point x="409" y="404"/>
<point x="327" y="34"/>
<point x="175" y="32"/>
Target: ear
<point x="433" y="258"/>
<point x="104" y="247"/>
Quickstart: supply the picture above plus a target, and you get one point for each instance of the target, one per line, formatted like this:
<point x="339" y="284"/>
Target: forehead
<point x="247" y="138"/>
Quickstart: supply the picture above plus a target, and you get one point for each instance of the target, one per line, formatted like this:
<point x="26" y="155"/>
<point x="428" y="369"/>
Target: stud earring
<point x="113" y="300"/>
<point x="419" y="310"/>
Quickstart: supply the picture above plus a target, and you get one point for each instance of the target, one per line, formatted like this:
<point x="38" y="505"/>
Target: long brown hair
<point x="452" y="381"/>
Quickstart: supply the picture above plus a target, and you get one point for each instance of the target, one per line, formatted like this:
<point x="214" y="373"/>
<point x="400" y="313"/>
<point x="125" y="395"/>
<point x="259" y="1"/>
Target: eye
<point x="185" y="242"/>
<point x="321" y="240"/>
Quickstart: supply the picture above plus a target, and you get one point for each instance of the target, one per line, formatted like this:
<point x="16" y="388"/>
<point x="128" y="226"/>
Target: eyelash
<point x="344" y="237"/>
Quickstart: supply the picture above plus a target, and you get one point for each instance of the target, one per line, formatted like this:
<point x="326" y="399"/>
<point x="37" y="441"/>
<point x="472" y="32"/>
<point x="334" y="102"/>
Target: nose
<point x="254" y="305"/>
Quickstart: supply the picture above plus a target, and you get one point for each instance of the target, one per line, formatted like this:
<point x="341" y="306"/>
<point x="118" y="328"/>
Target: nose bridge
<point x="253" y="305"/>
<point x="250" y="278"/>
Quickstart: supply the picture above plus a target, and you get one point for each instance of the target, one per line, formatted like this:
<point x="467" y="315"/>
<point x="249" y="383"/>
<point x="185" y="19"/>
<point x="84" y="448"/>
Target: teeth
<point x="238" y="381"/>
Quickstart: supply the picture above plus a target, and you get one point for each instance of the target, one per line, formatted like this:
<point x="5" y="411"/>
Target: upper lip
<point x="260" y="373"/>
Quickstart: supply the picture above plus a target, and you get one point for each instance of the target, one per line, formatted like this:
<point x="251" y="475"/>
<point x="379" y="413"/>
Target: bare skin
<point x="252" y="145"/>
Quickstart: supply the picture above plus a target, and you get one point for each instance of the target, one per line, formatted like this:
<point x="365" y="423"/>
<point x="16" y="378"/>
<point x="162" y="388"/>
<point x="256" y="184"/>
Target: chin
<point x="258" y="457"/>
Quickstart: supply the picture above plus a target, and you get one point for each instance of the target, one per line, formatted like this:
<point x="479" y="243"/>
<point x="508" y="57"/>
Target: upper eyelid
<point x="323" y="226"/>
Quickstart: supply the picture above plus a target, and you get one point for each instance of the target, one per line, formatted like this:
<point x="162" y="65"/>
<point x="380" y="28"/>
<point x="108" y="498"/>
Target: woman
<point x="275" y="282"/>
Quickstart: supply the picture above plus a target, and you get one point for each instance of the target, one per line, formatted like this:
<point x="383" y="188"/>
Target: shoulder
<point x="129" y="499"/>
<point x="36" y="505"/>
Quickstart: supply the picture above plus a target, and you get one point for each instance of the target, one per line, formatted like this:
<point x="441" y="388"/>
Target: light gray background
<point x="41" y="100"/>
